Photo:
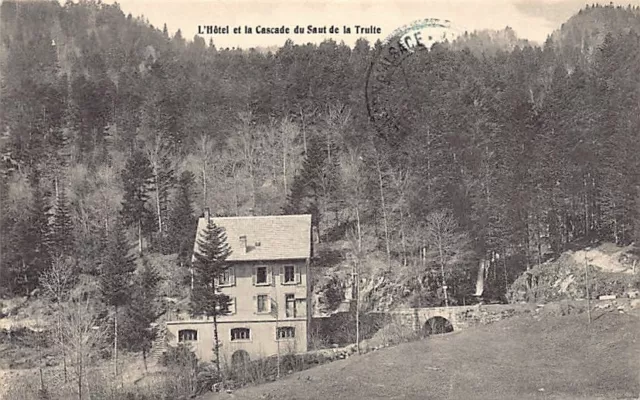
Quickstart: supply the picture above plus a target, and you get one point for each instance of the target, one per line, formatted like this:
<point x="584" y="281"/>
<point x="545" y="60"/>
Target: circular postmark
<point x="387" y="76"/>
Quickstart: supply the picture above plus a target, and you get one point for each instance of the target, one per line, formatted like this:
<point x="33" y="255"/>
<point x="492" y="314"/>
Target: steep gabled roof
<point x="277" y="237"/>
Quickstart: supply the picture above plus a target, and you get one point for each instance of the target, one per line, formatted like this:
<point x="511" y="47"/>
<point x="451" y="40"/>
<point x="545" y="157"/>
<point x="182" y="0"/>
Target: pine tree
<point x="61" y="241"/>
<point x="182" y="222"/>
<point x="209" y="264"/>
<point x="31" y="237"/>
<point x="115" y="279"/>
<point x="137" y="178"/>
<point x="137" y="332"/>
<point x="315" y="189"/>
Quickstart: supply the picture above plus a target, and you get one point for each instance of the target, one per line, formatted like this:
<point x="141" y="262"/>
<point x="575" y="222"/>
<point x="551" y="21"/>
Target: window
<point x="263" y="303"/>
<point x="286" y="332"/>
<point x="290" y="301"/>
<point x="240" y="334"/>
<point x="227" y="277"/>
<point x="187" y="335"/>
<point x="289" y="274"/>
<point x="261" y="276"/>
<point x="232" y="305"/>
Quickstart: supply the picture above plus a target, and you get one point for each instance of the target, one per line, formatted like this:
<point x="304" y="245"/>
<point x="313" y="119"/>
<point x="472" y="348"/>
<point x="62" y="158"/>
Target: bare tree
<point x="204" y="153"/>
<point x="246" y="146"/>
<point x="400" y="179"/>
<point x="82" y="337"/>
<point x="157" y="152"/>
<point x="384" y="208"/>
<point x="355" y="181"/>
<point x="357" y="254"/>
<point x="56" y="283"/>
<point x="288" y="133"/>
<point x="448" y="245"/>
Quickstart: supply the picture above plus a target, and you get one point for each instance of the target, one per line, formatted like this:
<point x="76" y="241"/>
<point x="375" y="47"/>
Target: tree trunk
<point x="115" y="341"/>
<point x="216" y="342"/>
<point x="235" y="191"/>
<point x="402" y="238"/>
<point x="304" y="133"/>
<point x="204" y="183"/>
<point x="359" y="230"/>
<point x="64" y="350"/>
<point x="284" y="167"/>
<point x="140" y="236"/>
<point x="39" y="347"/>
<point x="253" y="188"/>
<point x="586" y="210"/>
<point x="384" y="213"/>
<point x="444" y="282"/>
<point x="158" y="200"/>
<point x="79" y="360"/>
<point x="144" y="359"/>
<point x="506" y="278"/>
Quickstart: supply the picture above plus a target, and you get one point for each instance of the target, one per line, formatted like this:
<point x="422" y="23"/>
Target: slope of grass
<point x="519" y="358"/>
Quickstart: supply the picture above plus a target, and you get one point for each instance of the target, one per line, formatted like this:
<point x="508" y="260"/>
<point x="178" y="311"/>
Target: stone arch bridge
<point x="455" y="317"/>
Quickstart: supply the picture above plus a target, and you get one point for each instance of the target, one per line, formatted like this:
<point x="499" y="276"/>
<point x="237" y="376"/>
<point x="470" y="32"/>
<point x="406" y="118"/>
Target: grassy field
<point x="525" y="357"/>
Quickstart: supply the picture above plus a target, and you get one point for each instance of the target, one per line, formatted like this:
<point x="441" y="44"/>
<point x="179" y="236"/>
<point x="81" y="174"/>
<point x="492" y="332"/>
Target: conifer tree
<point x="316" y="187"/>
<point x="61" y="241"/>
<point x="209" y="263"/>
<point x="138" y="334"/>
<point x="115" y="279"/>
<point x="137" y="178"/>
<point x="31" y="237"/>
<point x="182" y="222"/>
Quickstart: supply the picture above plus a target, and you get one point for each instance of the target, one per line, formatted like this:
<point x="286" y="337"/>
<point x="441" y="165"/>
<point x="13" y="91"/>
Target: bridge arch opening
<point x="437" y="326"/>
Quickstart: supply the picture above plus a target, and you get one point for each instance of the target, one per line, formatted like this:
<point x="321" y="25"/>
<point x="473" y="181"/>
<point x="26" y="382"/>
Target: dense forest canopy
<point x="510" y="152"/>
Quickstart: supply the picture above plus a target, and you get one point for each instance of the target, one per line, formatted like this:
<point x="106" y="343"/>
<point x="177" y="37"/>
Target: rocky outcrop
<point x="611" y="270"/>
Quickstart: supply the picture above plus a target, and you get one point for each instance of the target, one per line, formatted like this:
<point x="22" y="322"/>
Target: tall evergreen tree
<point x="209" y="263"/>
<point x="138" y="333"/>
<point x="61" y="241"/>
<point x="182" y="222"/>
<point x="315" y="189"/>
<point x="31" y="233"/>
<point x="137" y="178"/>
<point x="116" y="279"/>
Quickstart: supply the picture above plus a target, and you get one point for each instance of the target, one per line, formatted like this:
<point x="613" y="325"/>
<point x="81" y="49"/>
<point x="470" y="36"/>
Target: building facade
<point x="268" y="283"/>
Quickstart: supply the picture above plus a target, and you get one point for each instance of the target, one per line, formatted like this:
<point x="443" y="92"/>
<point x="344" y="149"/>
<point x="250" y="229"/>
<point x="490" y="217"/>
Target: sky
<point x="531" y="19"/>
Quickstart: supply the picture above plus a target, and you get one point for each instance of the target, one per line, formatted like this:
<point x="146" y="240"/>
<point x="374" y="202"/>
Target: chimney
<point x="243" y="243"/>
<point x="207" y="214"/>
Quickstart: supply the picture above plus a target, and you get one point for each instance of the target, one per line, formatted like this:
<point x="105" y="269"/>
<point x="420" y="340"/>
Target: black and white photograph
<point x="319" y="199"/>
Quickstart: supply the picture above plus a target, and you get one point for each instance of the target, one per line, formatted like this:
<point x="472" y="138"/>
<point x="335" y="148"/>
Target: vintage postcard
<point x="288" y="199"/>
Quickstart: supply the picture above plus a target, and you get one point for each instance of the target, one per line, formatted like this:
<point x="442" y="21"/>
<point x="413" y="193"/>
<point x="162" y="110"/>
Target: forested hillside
<point x="508" y="153"/>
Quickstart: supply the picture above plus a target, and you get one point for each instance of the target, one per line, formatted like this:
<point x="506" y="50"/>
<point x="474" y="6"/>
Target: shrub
<point x="206" y="377"/>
